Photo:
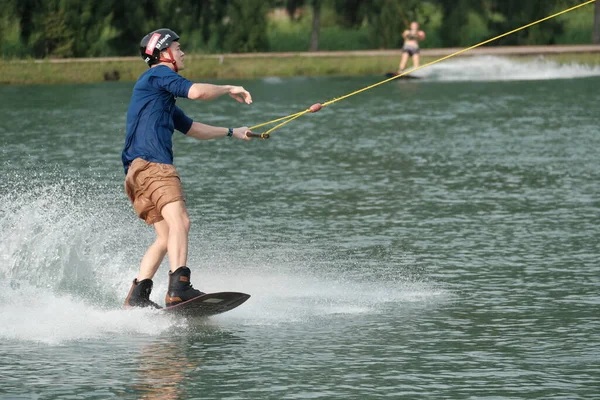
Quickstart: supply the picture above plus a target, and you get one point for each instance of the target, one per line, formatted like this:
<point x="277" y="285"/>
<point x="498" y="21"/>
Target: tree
<point x="56" y="37"/>
<point x="387" y="20"/>
<point x="518" y="13"/>
<point x="597" y="22"/>
<point x="133" y="19"/>
<point x="460" y="17"/>
<point x="245" y="29"/>
<point x="26" y="11"/>
<point x="83" y="28"/>
<point x="291" y="6"/>
<point x="316" y="25"/>
<point x="351" y="13"/>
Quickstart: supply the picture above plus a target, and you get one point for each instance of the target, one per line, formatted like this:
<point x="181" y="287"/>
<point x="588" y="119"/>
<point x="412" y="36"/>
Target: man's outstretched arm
<point x="204" y="132"/>
<point x="207" y="91"/>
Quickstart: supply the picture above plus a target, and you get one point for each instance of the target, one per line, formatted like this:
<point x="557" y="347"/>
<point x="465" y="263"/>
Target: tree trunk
<point x="316" y="25"/>
<point x="597" y="22"/>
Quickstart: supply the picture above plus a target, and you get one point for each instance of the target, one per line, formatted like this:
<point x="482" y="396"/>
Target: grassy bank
<point x="227" y="67"/>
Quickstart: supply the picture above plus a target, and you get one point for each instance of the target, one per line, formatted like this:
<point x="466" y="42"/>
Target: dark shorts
<point x="150" y="186"/>
<point x="411" y="50"/>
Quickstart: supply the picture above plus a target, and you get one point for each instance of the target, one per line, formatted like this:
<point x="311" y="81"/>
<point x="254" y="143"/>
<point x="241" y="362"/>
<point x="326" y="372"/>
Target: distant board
<point x="208" y="304"/>
<point x="392" y="74"/>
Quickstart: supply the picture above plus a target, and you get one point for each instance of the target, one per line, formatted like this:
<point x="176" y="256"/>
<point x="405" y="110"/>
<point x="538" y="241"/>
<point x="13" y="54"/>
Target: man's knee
<point x="161" y="242"/>
<point x="179" y="223"/>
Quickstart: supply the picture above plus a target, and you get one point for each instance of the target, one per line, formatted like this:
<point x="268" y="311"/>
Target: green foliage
<point x="10" y="32"/>
<point x="292" y="6"/>
<point x="338" y="38"/>
<point x="285" y="35"/>
<point x="455" y="14"/>
<point x="429" y="15"/>
<point x="297" y="39"/>
<point x="294" y="34"/>
<point x="351" y="13"/>
<point x="388" y="24"/>
<point x="246" y="26"/>
<point x="389" y="18"/>
<point x="578" y="27"/>
<point x="475" y="29"/>
<point x="55" y="39"/>
<point x="519" y="13"/>
<point x="84" y="28"/>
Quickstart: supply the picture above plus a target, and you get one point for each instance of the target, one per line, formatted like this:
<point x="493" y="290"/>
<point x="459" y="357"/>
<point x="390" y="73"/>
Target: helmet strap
<point x="171" y="61"/>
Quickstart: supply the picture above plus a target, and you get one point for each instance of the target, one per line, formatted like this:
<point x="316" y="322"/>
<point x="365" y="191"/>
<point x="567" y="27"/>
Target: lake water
<point x="436" y="238"/>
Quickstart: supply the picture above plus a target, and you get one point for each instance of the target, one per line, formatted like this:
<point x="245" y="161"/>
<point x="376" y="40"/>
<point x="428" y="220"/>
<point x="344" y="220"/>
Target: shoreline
<point x="440" y="52"/>
<point x="260" y="65"/>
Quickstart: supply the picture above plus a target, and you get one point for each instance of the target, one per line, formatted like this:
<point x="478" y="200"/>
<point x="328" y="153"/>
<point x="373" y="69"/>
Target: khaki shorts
<point x="150" y="186"/>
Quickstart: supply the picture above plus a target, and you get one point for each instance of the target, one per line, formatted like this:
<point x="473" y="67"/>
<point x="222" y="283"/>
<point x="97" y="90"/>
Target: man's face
<point x="414" y="26"/>
<point x="177" y="54"/>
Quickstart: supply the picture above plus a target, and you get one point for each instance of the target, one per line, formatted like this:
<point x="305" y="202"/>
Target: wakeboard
<point x="393" y="74"/>
<point x="208" y="304"/>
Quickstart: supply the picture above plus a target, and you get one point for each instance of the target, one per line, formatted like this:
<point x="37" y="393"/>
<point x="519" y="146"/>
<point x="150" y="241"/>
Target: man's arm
<point x="206" y="91"/>
<point x="204" y="132"/>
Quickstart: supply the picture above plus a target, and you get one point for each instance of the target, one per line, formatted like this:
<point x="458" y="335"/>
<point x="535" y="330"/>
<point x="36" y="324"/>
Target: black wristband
<point x="229" y="131"/>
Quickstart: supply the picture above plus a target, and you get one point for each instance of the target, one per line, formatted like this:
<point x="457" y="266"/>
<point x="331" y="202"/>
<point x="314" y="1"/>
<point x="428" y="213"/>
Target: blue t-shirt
<point x="153" y="116"/>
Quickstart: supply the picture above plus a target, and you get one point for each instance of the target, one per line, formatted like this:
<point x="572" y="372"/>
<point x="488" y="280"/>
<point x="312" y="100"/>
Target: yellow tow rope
<point x="316" y="107"/>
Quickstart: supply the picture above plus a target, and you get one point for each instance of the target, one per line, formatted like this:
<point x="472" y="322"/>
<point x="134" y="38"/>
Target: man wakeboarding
<point x="151" y="180"/>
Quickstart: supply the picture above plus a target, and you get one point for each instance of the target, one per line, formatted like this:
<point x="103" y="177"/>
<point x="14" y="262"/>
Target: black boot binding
<point x="180" y="289"/>
<point x="139" y="294"/>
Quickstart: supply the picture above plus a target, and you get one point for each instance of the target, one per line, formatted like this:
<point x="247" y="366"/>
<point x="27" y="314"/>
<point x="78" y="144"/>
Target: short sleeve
<point x="172" y="82"/>
<point x="182" y="122"/>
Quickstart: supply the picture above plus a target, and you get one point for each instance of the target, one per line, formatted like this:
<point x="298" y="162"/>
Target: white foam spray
<point x="494" y="68"/>
<point x="69" y="251"/>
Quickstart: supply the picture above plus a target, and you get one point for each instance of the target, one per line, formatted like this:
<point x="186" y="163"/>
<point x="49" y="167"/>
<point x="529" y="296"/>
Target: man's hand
<point x="240" y="94"/>
<point x="243" y="132"/>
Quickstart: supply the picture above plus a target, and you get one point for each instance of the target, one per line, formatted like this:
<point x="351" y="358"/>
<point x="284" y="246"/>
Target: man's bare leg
<point x="180" y="288"/>
<point x="155" y="253"/>
<point x="139" y="294"/>
<point x="176" y="217"/>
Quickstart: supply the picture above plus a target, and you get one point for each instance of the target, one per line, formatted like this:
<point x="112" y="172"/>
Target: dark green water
<point x="429" y="239"/>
